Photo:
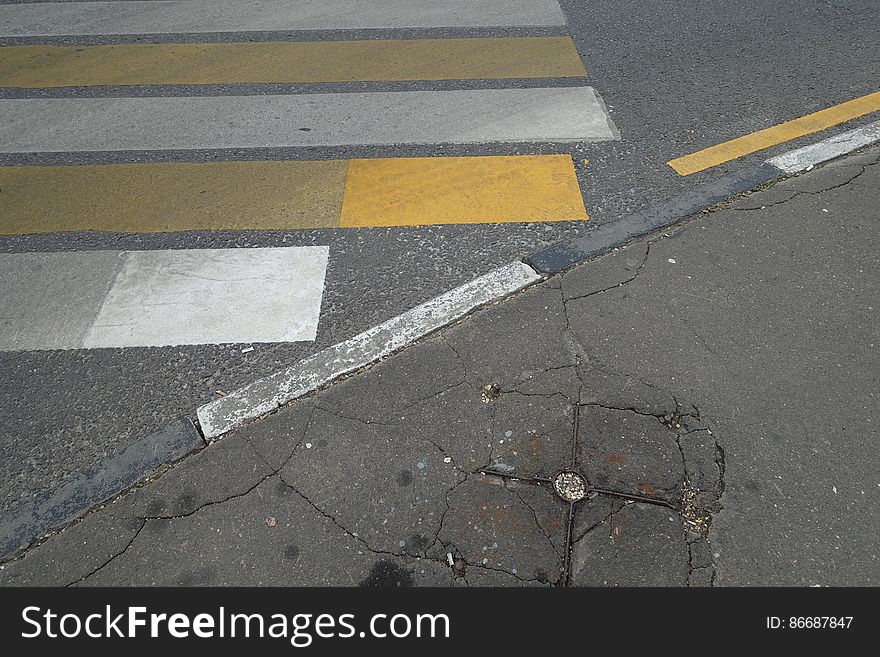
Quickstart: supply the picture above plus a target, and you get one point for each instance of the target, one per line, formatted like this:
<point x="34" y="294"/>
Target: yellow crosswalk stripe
<point x="758" y="141"/>
<point x="169" y="197"/>
<point x="461" y="190"/>
<point x="265" y="195"/>
<point x="37" y="66"/>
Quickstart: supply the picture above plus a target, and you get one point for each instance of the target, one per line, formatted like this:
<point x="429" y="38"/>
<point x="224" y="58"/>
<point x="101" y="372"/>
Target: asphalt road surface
<point x="138" y="149"/>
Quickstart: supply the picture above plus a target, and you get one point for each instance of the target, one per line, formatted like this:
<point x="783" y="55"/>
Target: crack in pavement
<point x="446" y="455"/>
<point x="531" y="376"/>
<point x="278" y="472"/>
<point x="464" y="369"/>
<point x="566" y="298"/>
<point x="699" y="337"/>
<point x="112" y="558"/>
<point x="210" y="503"/>
<point x="672" y="421"/>
<point x="799" y="192"/>
<point x="339" y="525"/>
<point x="545" y="395"/>
<point x="404" y="553"/>
<point x="299" y="442"/>
<point x="445" y="513"/>
<point x="146" y="519"/>
<point x="540" y="527"/>
<point x="598" y="523"/>
<point x="576" y="346"/>
<point x="353" y="418"/>
<point x="722" y="467"/>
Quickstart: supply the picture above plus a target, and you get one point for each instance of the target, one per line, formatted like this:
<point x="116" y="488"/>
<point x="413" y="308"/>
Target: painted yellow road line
<point x="289" y="62"/>
<point x="285" y="195"/>
<point x="778" y="134"/>
<point x="461" y="190"/>
<point x="168" y="197"/>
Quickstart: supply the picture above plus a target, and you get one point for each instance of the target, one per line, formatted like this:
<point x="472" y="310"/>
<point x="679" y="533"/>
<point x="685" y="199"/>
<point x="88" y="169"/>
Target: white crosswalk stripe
<point x="101" y="299"/>
<point x="186" y="16"/>
<point x="94" y="299"/>
<point x="406" y="117"/>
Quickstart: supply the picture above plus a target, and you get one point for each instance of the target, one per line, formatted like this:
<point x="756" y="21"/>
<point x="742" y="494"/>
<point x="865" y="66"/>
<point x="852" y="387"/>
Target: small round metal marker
<point x="570" y="486"/>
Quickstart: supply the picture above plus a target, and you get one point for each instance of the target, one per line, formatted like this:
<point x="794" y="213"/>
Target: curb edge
<point x="86" y="488"/>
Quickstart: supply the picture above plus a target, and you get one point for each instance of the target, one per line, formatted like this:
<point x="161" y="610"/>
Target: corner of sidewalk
<point x="748" y="328"/>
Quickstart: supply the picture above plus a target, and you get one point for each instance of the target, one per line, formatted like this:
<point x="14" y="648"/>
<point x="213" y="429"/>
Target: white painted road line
<point x="154" y="16"/>
<point x="334" y="119"/>
<point x="827" y="149"/>
<point x="267" y="394"/>
<point x="92" y="299"/>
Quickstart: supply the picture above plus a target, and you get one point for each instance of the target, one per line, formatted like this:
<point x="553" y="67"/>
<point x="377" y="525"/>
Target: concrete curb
<point x="807" y="157"/>
<point x="267" y="394"/>
<point x="103" y="480"/>
<point x="99" y="482"/>
<point x="569" y="253"/>
<point x="563" y="255"/>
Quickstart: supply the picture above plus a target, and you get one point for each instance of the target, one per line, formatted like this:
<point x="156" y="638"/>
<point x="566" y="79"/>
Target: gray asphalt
<point x="675" y="79"/>
<point x="725" y="371"/>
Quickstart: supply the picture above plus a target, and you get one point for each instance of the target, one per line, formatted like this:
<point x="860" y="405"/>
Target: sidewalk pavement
<point x="716" y="386"/>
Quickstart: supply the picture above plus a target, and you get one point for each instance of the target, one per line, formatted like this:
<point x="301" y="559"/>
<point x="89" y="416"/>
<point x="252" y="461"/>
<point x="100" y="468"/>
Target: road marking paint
<point x="283" y="195"/>
<point x="333" y="119"/>
<point x="175" y="17"/>
<point x="758" y="141"/>
<point x="289" y="62"/>
<point x="168" y="197"/>
<point x="92" y="299"/>
<point x="267" y="394"/>
<point x="49" y="300"/>
<point x="461" y="190"/>
<point x="827" y="149"/>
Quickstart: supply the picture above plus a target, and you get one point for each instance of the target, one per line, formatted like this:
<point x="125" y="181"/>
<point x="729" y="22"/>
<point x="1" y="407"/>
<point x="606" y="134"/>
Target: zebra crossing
<point x="328" y="119"/>
<point x="150" y="298"/>
<point x="185" y="16"/>
<point x="48" y="66"/>
<point x="151" y="198"/>
<point x="81" y="81"/>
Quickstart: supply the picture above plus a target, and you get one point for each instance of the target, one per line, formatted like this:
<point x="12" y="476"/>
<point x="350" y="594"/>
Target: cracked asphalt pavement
<point x="715" y="387"/>
<point x="676" y="77"/>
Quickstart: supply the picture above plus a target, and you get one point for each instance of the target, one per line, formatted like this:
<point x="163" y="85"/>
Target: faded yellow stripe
<point x="171" y="197"/>
<point x="289" y="62"/>
<point x="139" y="198"/>
<point x="461" y="190"/>
<point x="758" y="141"/>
